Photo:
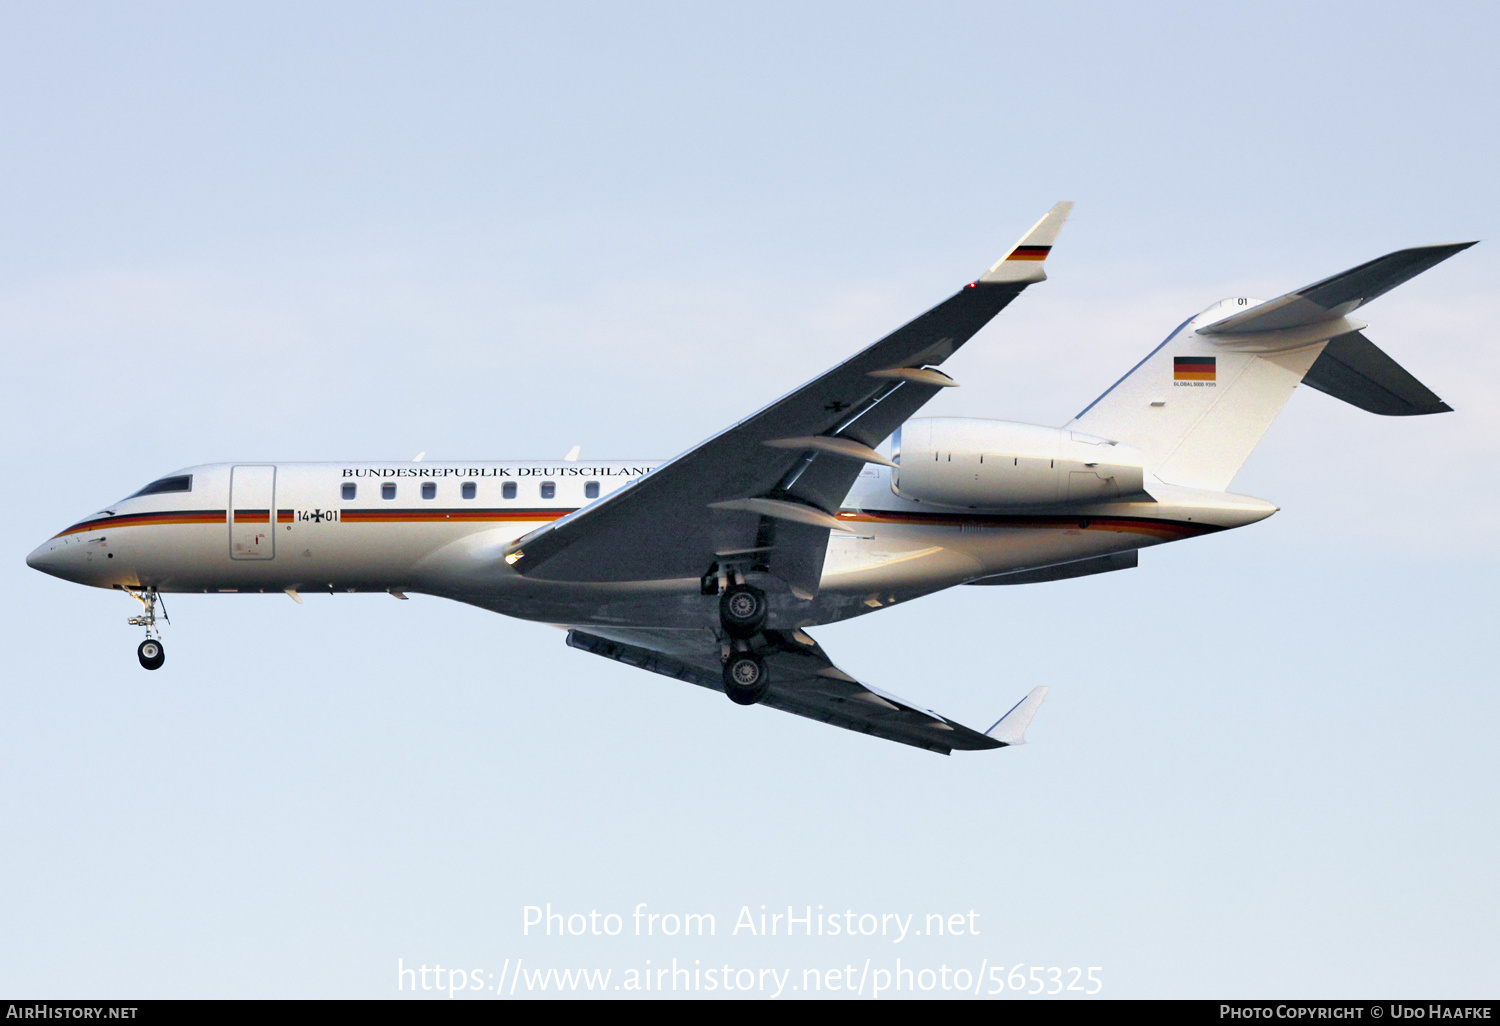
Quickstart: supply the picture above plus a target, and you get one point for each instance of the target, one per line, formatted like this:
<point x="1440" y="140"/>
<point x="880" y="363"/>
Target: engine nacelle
<point x="989" y="464"/>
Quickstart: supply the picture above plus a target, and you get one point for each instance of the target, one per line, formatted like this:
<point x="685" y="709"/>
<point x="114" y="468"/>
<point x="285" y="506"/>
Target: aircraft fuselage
<point x="444" y="528"/>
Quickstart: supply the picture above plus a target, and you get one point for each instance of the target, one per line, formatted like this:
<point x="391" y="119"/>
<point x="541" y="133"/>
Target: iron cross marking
<point x="836" y="406"/>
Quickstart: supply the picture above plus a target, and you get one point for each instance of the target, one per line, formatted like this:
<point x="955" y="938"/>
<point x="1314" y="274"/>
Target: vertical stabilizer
<point x="1199" y="402"/>
<point x="1197" y="407"/>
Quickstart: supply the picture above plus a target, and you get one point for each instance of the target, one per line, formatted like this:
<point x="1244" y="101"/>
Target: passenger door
<point x="252" y="512"/>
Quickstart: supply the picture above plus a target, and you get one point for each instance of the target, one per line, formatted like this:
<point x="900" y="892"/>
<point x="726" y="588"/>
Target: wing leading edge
<point x="805" y="682"/>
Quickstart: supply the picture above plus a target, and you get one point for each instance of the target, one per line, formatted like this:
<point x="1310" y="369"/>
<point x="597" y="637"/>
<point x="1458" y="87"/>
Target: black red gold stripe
<point x="1164" y="529"/>
<point x="1130" y="525"/>
<point x="187" y="516"/>
<point x="1029" y="253"/>
<point x="413" y="516"/>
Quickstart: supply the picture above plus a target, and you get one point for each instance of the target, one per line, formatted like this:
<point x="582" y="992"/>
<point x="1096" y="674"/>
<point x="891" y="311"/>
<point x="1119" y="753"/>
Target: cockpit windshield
<point x="180" y="483"/>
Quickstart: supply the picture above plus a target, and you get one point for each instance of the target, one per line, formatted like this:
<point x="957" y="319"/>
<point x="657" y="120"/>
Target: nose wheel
<point x="151" y="654"/>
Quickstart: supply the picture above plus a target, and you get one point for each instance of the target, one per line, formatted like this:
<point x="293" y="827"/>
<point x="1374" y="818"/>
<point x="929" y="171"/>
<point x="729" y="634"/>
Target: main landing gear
<point x="742" y="613"/>
<point x="151" y="652"/>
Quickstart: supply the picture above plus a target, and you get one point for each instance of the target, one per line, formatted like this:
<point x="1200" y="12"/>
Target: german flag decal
<point x="1194" y="368"/>
<point x="1029" y="253"/>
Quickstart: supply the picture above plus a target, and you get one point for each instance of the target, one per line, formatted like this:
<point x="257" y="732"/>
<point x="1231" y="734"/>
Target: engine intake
<point x="990" y="464"/>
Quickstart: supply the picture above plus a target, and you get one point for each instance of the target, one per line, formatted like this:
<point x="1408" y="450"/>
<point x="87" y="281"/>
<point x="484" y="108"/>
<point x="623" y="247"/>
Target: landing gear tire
<point x="151" y="654"/>
<point x="746" y="680"/>
<point x="742" y="610"/>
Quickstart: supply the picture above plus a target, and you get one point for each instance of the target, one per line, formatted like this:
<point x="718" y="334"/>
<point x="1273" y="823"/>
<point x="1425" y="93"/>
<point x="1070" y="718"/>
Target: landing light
<point x="514" y="557"/>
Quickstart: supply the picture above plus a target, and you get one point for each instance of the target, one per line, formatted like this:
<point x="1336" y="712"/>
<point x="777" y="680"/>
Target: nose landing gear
<point x="151" y="652"/>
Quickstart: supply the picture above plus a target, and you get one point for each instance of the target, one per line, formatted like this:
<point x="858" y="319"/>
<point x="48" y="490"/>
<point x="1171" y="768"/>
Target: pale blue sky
<point x="1267" y="766"/>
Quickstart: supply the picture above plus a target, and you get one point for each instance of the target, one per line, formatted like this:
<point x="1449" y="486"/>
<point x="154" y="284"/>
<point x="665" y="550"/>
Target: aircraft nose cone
<point x="56" y="558"/>
<point x="44" y="558"/>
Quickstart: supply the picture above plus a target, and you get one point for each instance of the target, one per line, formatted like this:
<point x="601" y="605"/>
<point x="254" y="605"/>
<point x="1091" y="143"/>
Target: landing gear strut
<point x="151" y="652"/>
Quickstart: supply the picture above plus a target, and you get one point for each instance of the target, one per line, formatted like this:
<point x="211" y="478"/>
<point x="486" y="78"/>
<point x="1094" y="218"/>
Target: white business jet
<point x="710" y="567"/>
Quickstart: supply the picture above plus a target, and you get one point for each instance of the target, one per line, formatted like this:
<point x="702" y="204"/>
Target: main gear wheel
<point x="746" y="679"/>
<point x="742" y="610"/>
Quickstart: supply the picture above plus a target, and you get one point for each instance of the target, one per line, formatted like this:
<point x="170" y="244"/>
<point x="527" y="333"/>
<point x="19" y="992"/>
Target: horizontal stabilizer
<point x="1354" y="369"/>
<point x="1010" y="729"/>
<point x="1337" y="296"/>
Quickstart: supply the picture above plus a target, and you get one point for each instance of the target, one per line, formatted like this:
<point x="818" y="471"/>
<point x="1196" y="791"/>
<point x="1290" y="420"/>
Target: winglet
<point x="1010" y="729"/>
<point x="1023" y="264"/>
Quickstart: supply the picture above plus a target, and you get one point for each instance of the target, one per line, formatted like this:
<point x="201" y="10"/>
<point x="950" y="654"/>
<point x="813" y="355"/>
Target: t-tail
<point x="1198" y="403"/>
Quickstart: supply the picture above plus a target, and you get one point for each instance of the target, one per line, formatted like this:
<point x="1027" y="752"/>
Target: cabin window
<point x="350" y="489"/>
<point x="180" y="483"/>
<point x="388" y="490"/>
<point x="549" y="489"/>
<point x="591" y="490"/>
<point x="429" y="489"/>
<point x="508" y="490"/>
<point x="469" y="490"/>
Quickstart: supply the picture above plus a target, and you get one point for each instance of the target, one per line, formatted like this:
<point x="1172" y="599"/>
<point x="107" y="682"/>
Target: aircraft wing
<point x="769" y="485"/>
<point x="805" y="682"/>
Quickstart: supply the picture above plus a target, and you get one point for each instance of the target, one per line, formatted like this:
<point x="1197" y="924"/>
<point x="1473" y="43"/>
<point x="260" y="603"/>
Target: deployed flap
<point x="1336" y="296"/>
<point x="1354" y="369"/>
<point x="804" y="681"/>
<point x="670" y="523"/>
